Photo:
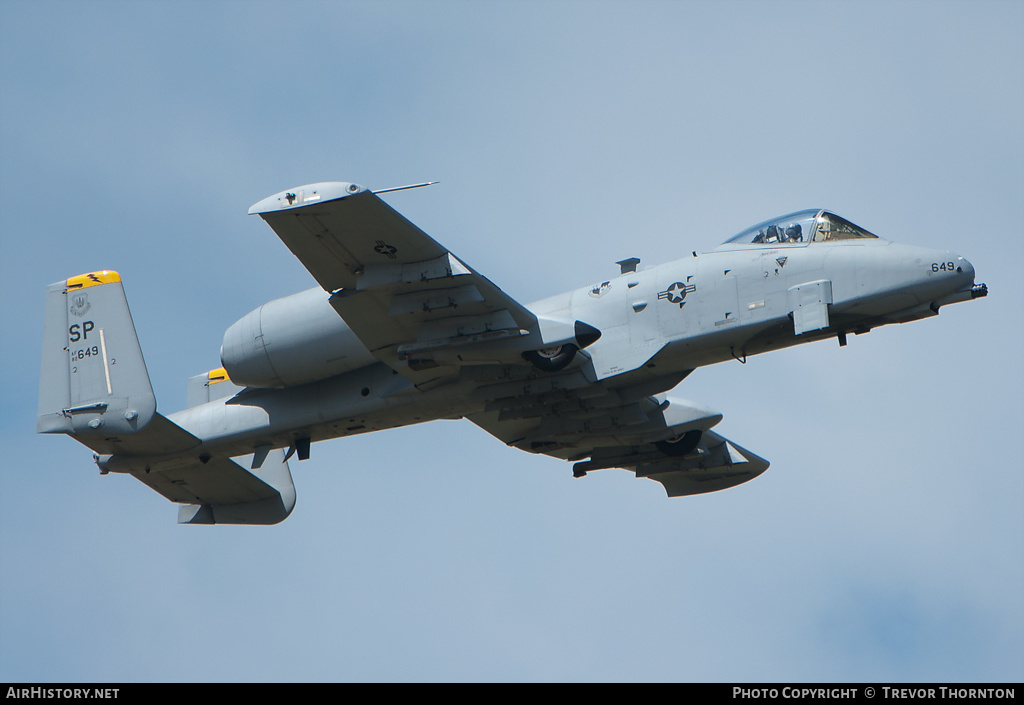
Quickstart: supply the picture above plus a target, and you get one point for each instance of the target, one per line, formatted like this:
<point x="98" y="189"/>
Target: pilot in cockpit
<point x="773" y="234"/>
<point x="770" y="234"/>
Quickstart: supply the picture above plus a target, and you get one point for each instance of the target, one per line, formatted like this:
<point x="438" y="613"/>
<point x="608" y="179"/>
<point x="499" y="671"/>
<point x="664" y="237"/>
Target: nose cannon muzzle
<point x="975" y="292"/>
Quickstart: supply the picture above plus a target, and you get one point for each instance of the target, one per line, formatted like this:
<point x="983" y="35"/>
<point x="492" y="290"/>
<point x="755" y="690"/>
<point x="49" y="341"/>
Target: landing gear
<point x="552" y="359"/>
<point x="680" y="445"/>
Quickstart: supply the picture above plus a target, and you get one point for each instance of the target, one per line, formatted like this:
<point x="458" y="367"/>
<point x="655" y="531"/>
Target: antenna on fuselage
<point x="628" y="265"/>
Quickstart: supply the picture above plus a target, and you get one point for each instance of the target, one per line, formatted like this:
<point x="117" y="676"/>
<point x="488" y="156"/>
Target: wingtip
<point x="306" y="195"/>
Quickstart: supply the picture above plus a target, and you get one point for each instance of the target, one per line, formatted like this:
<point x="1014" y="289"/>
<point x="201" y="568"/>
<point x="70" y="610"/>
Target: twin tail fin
<point x="94" y="387"/>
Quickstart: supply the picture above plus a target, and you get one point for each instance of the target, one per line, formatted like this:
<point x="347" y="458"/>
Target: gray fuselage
<point x="658" y="323"/>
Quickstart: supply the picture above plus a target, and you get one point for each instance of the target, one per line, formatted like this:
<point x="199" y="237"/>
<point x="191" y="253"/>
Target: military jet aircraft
<point x="402" y="331"/>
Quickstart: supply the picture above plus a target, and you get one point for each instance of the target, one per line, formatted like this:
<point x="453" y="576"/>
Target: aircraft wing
<point x="716" y="463"/>
<point x="598" y="427"/>
<point x="407" y="298"/>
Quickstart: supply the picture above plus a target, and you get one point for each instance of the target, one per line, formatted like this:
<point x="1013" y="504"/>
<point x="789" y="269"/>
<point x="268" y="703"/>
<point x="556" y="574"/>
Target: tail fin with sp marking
<point x="94" y="386"/>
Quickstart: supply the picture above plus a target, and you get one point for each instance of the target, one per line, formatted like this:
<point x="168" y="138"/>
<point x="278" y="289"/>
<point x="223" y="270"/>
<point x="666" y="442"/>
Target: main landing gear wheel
<point x="680" y="445"/>
<point x="552" y="359"/>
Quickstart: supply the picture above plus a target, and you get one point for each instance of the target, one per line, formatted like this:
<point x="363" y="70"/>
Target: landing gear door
<point x="809" y="305"/>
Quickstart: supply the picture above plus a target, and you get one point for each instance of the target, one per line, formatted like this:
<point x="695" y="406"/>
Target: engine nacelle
<point x="289" y="341"/>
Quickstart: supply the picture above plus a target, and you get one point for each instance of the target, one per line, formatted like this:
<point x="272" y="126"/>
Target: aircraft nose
<point x="964" y="267"/>
<point x="977" y="290"/>
<point x="952" y="269"/>
<point x="965" y="275"/>
<point x="957" y="273"/>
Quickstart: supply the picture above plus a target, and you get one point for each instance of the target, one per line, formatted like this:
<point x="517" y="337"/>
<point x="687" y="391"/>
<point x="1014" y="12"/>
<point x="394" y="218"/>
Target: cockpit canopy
<point x="800" y="228"/>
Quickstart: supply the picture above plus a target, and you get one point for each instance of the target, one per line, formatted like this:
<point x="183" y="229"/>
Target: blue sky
<point x="885" y="543"/>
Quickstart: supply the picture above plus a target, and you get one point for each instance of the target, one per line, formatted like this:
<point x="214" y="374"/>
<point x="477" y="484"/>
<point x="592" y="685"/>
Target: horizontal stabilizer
<point x="220" y="491"/>
<point x="161" y="437"/>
